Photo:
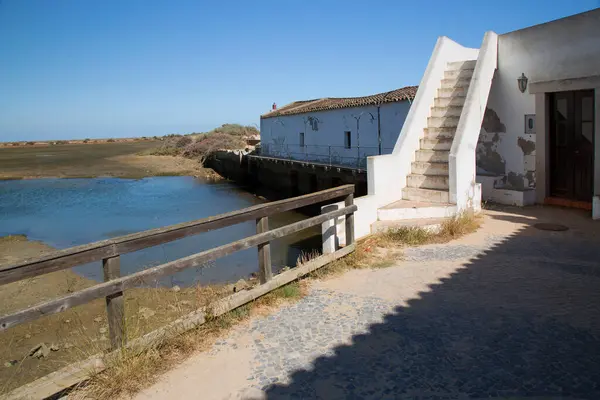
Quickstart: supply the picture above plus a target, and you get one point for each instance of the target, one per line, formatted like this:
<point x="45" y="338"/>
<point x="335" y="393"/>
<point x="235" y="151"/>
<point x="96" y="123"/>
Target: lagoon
<point x="69" y="212"/>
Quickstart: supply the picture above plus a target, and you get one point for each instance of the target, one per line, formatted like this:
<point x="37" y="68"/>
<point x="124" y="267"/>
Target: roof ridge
<point x="330" y="103"/>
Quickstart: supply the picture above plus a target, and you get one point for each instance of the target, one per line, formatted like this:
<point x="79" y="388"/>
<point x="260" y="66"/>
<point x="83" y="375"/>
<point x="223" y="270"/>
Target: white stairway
<point x="426" y="195"/>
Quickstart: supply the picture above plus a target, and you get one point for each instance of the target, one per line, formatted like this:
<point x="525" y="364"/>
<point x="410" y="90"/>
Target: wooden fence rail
<point x="109" y="252"/>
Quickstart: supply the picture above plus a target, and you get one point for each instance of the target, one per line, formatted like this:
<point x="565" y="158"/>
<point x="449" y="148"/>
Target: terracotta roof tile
<point x="331" y="103"/>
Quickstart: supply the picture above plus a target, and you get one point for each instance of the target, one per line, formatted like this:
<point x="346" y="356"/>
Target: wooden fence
<point x="109" y="251"/>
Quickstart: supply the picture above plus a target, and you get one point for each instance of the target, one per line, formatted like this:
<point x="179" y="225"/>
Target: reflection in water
<point x="70" y="212"/>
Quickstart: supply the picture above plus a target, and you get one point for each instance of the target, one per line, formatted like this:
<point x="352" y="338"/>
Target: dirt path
<point x="510" y="311"/>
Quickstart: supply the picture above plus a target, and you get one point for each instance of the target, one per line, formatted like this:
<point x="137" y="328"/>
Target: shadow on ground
<point x="522" y="319"/>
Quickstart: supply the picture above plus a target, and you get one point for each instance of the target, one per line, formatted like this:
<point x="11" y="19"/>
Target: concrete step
<point x="439" y="133"/>
<point x="449" y="101"/>
<point x="452" y="92"/>
<point x="428" y="195"/>
<point x="458" y="73"/>
<point x="429" y="168"/>
<point x="405" y="209"/>
<point x="432" y="155"/>
<point x="439" y="122"/>
<point x="436" y="144"/>
<point x="439" y="182"/>
<point x="454" y="83"/>
<point x="447" y="111"/>
<point x="466" y="64"/>
<point x="433" y="225"/>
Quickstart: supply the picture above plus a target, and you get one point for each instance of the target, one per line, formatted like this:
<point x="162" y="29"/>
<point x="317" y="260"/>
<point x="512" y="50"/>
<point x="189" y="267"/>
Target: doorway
<point x="572" y="145"/>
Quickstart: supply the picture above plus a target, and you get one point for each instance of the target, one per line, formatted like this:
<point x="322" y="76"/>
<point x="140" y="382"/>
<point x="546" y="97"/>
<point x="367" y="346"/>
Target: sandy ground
<point x="167" y="165"/>
<point x="79" y="332"/>
<point x="497" y="302"/>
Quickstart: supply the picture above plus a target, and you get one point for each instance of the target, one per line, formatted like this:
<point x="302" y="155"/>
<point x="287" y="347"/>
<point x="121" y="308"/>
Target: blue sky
<point x="108" y="68"/>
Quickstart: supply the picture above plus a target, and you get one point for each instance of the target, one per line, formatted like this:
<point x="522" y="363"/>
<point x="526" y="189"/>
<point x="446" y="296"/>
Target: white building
<point x="516" y="121"/>
<point x="338" y="131"/>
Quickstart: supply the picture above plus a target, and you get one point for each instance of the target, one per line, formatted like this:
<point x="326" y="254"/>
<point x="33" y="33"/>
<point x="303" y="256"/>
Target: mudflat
<point x="79" y="332"/>
<point x="118" y="159"/>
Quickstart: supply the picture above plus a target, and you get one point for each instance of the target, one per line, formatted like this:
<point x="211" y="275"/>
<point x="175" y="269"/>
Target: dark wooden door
<point x="572" y="144"/>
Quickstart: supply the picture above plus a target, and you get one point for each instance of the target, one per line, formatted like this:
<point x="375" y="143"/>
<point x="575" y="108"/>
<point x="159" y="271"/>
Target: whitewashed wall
<point x="565" y="49"/>
<point x="280" y="135"/>
<point x="386" y="174"/>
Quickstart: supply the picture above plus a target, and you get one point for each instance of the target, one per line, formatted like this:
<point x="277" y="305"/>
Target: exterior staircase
<point x="425" y="199"/>
<point x="429" y="178"/>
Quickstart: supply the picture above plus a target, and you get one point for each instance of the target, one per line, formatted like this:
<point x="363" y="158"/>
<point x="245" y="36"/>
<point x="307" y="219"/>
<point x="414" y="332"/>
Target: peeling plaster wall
<point x="489" y="160"/>
<point x="506" y="131"/>
<point x="562" y="49"/>
<point x="281" y="134"/>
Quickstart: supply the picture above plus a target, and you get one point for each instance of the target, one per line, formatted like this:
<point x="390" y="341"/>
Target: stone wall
<point x="284" y="178"/>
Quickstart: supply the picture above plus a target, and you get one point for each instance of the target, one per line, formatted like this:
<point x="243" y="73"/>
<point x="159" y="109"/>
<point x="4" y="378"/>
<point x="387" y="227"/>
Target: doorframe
<point x="541" y="90"/>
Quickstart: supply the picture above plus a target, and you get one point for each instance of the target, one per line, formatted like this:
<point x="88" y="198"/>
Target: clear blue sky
<point x="108" y="68"/>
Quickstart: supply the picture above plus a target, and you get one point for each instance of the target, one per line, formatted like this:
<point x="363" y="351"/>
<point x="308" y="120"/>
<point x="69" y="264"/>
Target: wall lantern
<point x="522" y="82"/>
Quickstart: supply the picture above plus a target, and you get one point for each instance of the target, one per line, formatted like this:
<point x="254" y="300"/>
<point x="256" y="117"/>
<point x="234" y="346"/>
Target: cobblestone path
<point x="503" y="316"/>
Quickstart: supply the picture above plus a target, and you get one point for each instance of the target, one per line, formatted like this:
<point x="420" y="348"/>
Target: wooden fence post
<point x="265" y="272"/>
<point x="115" y="305"/>
<point x="349" y="220"/>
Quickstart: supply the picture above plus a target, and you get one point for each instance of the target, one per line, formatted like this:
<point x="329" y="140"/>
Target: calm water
<point x="68" y="212"/>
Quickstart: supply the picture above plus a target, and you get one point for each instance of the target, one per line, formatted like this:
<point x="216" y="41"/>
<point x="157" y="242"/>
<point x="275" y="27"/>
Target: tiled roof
<point x="331" y="103"/>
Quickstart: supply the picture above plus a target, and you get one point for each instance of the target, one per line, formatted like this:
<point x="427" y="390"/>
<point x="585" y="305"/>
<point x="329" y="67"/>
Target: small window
<point x="347" y="139"/>
<point x="301" y="139"/>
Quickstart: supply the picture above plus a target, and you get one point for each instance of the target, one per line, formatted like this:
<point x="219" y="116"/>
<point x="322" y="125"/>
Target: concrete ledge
<point x="398" y="211"/>
<point x="488" y="183"/>
<point x="511" y="197"/>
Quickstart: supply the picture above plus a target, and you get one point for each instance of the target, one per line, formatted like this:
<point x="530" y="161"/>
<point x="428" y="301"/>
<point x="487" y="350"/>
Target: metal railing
<point x="353" y="157"/>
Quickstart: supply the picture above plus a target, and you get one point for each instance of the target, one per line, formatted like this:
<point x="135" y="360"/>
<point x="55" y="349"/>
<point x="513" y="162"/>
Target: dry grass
<point x="130" y="371"/>
<point x="373" y="251"/>
<point x="460" y="225"/>
<point x="409" y="235"/>
<point x="382" y="250"/>
<point x="451" y="229"/>
<point x="305" y="257"/>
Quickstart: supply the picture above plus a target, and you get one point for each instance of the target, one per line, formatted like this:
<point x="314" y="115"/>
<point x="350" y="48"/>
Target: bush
<point x="110" y="140"/>
<point x="236" y="130"/>
<point x="165" y="151"/>
<point x="225" y="137"/>
<point x="182" y="142"/>
<point x="209" y="143"/>
<point x="30" y="143"/>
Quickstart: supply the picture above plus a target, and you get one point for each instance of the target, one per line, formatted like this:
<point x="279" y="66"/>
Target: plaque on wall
<point x="530" y="123"/>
